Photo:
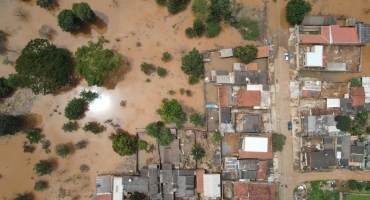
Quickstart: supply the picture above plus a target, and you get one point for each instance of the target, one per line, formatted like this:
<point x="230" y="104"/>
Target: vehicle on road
<point x="290" y="126"/>
<point x="286" y="57"/>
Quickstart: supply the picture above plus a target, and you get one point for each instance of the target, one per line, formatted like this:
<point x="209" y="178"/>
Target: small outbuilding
<point x="212" y="185"/>
<point x="225" y="53"/>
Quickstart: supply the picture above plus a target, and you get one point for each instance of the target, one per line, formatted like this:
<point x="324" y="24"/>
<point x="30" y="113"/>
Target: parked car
<point x="290" y="126"/>
<point x="286" y="57"/>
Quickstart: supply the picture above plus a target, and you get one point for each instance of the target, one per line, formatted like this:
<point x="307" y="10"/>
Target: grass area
<point x="357" y="197"/>
<point x="248" y="29"/>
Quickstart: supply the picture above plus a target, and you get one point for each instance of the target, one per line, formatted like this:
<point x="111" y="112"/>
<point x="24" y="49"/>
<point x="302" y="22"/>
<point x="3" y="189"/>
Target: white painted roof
<point x="212" y="185"/>
<point x="226" y="53"/>
<point x="117" y="188"/>
<point x="255" y="144"/>
<point x="254" y="87"/>
<point x="314" y="58"/>
<point x="333" y="103"/>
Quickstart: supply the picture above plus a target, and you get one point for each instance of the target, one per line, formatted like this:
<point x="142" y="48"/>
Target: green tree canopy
<point x="278" y="142"/>
<point x="192" y="63"/>
<point x="124" y="144"/>
<point x="246" y="54"/>
<point x="5" y="89"/>
<point x="43" y="67"/>
<point x="45" y="3"/>
<point x="142" y="145"/>
<point x="170" y="110"/>
<point x="75" y="109"/>
<point x="89" y="96"/>
<point x="344" y="123"/>
<point x="162" y="72"/>
<point x="217" y="137"/>
<point x="147" y="68"/>
<point x="14" y="81"/>
<point x="175" y="6"/>
<point x="198" y="27"/>
<point x="68" y="21"/>
<point x="24" y="196"/>
<point x="136" y="196"/>
<point x="43" y="167"/>
<point x="160" y="132"/>
<point x="95" y="63"/>
<point x="198" y="152"/>
<point x="221" y="10"/>
<point x="94" y="127"/>
<point x="166" y="57"/>
<point x="9" y="124"/>
<point x="296" y="11"/>
<point x="83" y="11"/>
<point x="34" y="135"/>
<point x="202" y="9"/>
<point x="70" y="126"/>
<point x="62" y="150"/>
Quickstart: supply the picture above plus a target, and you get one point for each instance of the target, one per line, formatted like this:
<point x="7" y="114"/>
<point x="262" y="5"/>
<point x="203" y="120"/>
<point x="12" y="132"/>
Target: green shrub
<point x="142" y="145"/>
<point x="147" y="68"/>
<point x="192" y="80"/>
<point x="188" y="93"/>
<point x="45" y="32"/>
<point x="34" y="135"/>
<point x="171" y="92"/>
<point x="162" y="72"/>
<point x="278" y="142"/>
<point x="43" y="167"/>
<point x="5" y="89"/>
<point x="246" y="54"/>
<point x="10" y="124"/>
<point x="213" y="29"/>
<point x="192" y="63"/>
<point x="148" y="80"/>
<point x="182" y="91"/>
<point x="175" y="6"/>
<point x="198" y="27"/>
<point x="161" y="2"/>
<point x="196" y="119"/>
<point x="123" y="143"/>
<point x="70" y="126"/>
<point x="14" y="81"/>
<point x="355" y="82"/>
<point x="62" y="150"/>
<point x="189" y="32"/>
<point x="93" y="127"/>
<point x="198" y="152"/>
<point x="160" y="132"/>
<point x="166" y="57"/>
<point x="217" y="137"/>
<point x="296" y="11"/>
<point x="89" y="96"/>
<point x="201" y="9"/>
<point x="45" y="3"/>
<point x="83" y="11"/>
<point x="24" y="196"/>
<point x="75" y="109"/>
<point x="40" y="185"/>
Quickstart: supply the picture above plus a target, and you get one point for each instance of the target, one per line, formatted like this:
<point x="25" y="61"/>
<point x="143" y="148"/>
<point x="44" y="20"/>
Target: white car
<point x="286" y="57"/>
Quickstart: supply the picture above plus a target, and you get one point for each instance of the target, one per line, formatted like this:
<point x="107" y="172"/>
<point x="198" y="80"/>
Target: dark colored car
<point x="290" y="126"/>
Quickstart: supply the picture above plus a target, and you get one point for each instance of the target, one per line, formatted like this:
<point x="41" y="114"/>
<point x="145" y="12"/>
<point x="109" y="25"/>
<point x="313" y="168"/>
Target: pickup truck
<point x="290" y="126"/>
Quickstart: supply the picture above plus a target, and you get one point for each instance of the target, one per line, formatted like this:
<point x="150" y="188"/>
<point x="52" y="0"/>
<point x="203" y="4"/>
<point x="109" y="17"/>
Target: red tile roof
<point x="357" y="96"/>
<point x="268" y="154"/>
<point x="262" y="171"/>
<point x="263" y="52"/>
<point x="104" y="197"/>
<point x="200" y="173"/>
<point x="245" y="98"/>
<point x="223" y="96"/>
<point x="323" y="38"/>
<point x="250" y="191"/>
<point x="252" y="66"/>
<point x="344" y="34"/>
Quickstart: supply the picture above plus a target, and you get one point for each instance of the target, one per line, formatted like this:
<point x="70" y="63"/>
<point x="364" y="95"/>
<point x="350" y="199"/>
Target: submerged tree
<point x="296" y="11"/>
<point x="246" y="54"/>
<point x="40" y="185"/>
<point x="83" y="11"/>
<point x="75" y="109"/>
<point x="160" y="132"/>
<point x="68" y="21"/>
<point x="62" y="150"/>
<point x="43" y="167"/>
<point x="9" y="124"/>
<point x="43" y="67"/>
<point x="95" y="63"/>
<point x="123" y="143"/>
<point x="45" y="3"/>
<point x="34" y="135"/>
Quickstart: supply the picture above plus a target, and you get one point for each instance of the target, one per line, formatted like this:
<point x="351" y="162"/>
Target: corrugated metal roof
<point x="319" y="21"/>
<point x="247" y="175"/>
<point x="212" y="185"/>
<point x="226" y="78"/>
<point x="248" y="164"/>
<point x="135" y="184"/>
<point x="332" y="103"/>
<point x="330" y="66"/>
<point x="231" y="164"/>
<point x="103" y="185"/>
<point x="117" y="188"/>
<point x="311" y="85"/>
<point x="225" y="114"/>
<point x="225" y="53"/>
<point x="364" y="32"/>
<point x="185" y="186"/>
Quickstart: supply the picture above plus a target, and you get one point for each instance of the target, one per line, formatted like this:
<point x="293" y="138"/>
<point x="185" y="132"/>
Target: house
<point x="256" y="147"/>
<point x="332" y="103"/>
<point x="319" y="21"/>
<point x="357" y="156"/>
<point x="364" y="32"/>
<point x="251" y="123"/>
<point x="328" y="143"/>
<point x="245" y="67"/>
<point x="366" y="85"/>
<point x="226" y="53"/>
<point x="311" y="89"/>
<point x="185" y="182"/>
<point x="103" y="187"/>
<point x="217" y="159"/>
<point x="314" y="56"/>
<point x="172" y="153"/>
<point x="153" y="175"/>
<point x="346" y="107"/>
<point x="322" y="159"/>
<point x="263" y="52"/>
<point x="117" y="188"/>
<point x="247" y="98"/>
<point x="254" y="191"/>
<point x="212" y="185"/>
<point x="343" y="150"/>
<point x="222" y="77"/>
<point x="358" y="96"/>
<point x="225" y="115"/>
<point x="247" y="169"/>
<point x="250" y="77"/>
<point x="199" y="174"/>
<point x="230" y="168"/>
<point x="320" y="126"/>
<point x="206" y="56"/>
<point x="226" y="96"/>
<point x="333" y="34"/>
<point x="133" y="184"/>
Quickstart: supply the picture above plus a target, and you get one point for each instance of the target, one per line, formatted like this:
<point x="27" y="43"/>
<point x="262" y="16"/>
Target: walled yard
<point x="230" y="144"/>
<point x="211" y="162"/>
<point x="187" y="139"/>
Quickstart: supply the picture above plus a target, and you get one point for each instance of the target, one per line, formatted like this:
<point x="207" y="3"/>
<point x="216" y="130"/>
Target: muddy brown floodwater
<point x="141" y="31"/>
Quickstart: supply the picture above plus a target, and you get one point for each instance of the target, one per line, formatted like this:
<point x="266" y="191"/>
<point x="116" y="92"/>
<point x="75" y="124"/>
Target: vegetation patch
<point x="34" y="135"/>
<point x="344" y="123"/>
<point x="198" y="152"/>
<point x="62" y="150"/>
<point x="160" y="132"/>
<point x="278" y="142"/>
<point x="123" y="143"/>
<point x="94" y="127"/>
<point x="171" y="112"/>
<point x="70" y="126"/>
<point x="296" y="11"/>
<point x="196" y="119"/>
<point x="147" y="68"/>
<point x="248" y="29"/>
<point x="75" y="109"/>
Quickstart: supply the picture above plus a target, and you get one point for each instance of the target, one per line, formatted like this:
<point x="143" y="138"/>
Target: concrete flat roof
<point x="255" y="144"/>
